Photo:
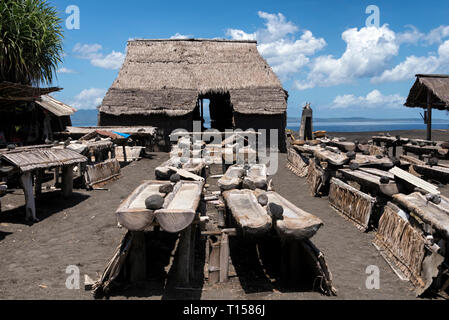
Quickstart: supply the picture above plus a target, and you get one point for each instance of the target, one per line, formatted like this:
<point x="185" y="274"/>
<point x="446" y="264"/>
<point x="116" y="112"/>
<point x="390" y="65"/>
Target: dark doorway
<point x="216" y="111"/>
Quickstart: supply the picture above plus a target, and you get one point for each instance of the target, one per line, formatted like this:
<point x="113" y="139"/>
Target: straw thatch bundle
<point x="351" y="203"/>
<point x="167" y="76"/>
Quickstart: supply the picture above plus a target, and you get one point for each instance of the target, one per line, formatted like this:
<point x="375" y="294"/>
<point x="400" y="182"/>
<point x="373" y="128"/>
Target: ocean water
<point x="342" y="125"/>
<point x="89" y="118"/>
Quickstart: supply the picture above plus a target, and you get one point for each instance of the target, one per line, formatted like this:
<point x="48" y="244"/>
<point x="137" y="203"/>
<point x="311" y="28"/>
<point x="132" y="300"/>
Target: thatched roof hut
<point x="430" y="91"/>
<point x="167" y="79"/>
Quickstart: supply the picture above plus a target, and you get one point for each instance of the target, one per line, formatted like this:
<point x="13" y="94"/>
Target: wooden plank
<point x="137" y="257"/>
<point x="420" y="183"/>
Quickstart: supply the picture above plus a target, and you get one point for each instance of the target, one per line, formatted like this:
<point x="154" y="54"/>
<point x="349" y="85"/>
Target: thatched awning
<point x="437" y="85"/>
<point x="54" y="106"/>
<point x="167" y="76"/>
<point x="41" y="158"/>
<point x="20" y="92"/>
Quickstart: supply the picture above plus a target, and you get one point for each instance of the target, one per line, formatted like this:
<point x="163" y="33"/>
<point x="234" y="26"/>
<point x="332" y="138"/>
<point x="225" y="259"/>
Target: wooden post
<point x="183" y="264"/>
<point x="429" y="115"/>
<point x="137" y="257"/>
<point x="56" y="175"/>
<point x="192" y="251"/>
<point x="214" y="260"/>
<point x="67" y="181"/>
<point x="221" y="216"/>
<point x="224" y="257"/>
<point x="27" y="185"/>
<point x="124" y="153"/>
<point x="38" y="182"/>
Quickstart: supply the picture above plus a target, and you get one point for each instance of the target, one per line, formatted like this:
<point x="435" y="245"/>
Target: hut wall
<point x="264" y="121"/>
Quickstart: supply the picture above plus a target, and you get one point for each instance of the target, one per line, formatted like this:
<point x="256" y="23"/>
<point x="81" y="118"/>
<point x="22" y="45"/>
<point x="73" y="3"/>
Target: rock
<point x="384" y="180"/>
<point x="396" y="162"/>
<point x="379" y="156"/>
<point x="154" y="202"/>
<point x="353" y="166"/>
<point x="366" y="153"/>
<point x="350" y="154"/>
<point x="175" y="178"/>
<point x="11" y="146"/>
<point x="262" y="199"/>
<point x="275" y="211"/>
<point x="432" y="161"/>
<point x="433" y="198"/>
<point x="166" y="188"/>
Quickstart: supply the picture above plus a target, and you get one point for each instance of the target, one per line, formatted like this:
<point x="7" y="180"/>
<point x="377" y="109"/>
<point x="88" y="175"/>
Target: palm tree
<point x="30" y="41"/>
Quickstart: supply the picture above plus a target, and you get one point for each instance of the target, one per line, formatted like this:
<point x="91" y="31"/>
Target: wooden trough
<point x="180" y="206"/>
<point x="256" y="177"/>
<point x="369" y="178"/>
<point x="102" y="172"/>
<point x="232" y="179"/>
<point x="132" y="212"/>
<point x="250" y="216"/>
<point x="296" y="223"/>
<point x="333" y="158"/>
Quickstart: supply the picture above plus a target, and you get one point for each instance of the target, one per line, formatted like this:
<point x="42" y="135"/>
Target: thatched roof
<point x="436" y="84"/>
<point x="20" y="92"/>
<point x="166" y="77"/>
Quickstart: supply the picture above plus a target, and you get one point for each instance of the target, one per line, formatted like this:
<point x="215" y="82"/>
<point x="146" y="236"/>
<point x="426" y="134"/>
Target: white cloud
<point x="181" y="36"/>
<point x="413" y="65"/>
<point x="413" y="35"/>
<point x="88" y="98"/>
<point x="277" y="43"/>
<point x="92" y="52"/>
<point x="374" y="99"/>
<point x="65" y="70"/>
<point x="437" y="35"/>
<point x="367" y="52"/>
<point x="114" y="60"/>
<point x="237" y="34"/>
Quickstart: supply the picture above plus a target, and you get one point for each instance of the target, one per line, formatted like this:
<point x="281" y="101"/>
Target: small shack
<point x="430" y="91"/>
<point x="29" y="116"/>
<point x="164" y="82"/>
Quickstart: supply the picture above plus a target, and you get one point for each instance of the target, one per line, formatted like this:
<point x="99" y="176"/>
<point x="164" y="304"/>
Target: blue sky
<point x="322" y="51"/>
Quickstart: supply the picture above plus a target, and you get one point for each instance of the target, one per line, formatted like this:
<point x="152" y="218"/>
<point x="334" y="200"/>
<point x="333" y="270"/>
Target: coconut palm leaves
<point x="30" y="41"/>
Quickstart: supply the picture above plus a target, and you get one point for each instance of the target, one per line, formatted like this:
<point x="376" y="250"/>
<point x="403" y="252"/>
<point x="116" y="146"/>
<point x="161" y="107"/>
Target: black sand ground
<point x="83" y="232"/>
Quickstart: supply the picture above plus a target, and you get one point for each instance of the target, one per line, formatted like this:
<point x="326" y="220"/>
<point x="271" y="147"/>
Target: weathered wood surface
<point x="404" y="248"/>
<point x="296" y="223"/>
<point x="297" y="163"/>
<point x="315" y="179"/>
<point x="411" y="160"/>
<point x="369" y="160"/>
<point x="306" y="148"/>
<point x="336" y="159"/>
<point x="232" y="179"/>
<point x="342" y="145"/>
<point x="438" y="173"/>
<point x="101" y="172"/>
<point x="132" y="212"/>
<point x="390" y="140"/>
<point x="132" y="153"/>
<point x="352" y="203"/>
<point x="420" y="150"/>
<point x="30" y="204"/>
<point x="195" y="166"/>
<point x="42" y="158"/>
<point x="417" y="182"/>
<point x="247" y="211"/>
<point x="435" y="215"/>
<point x="256" y="177"/>
<point x="373" y="150"/>
<point x="180" y="206"/>
<point x="371" y="180"/>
